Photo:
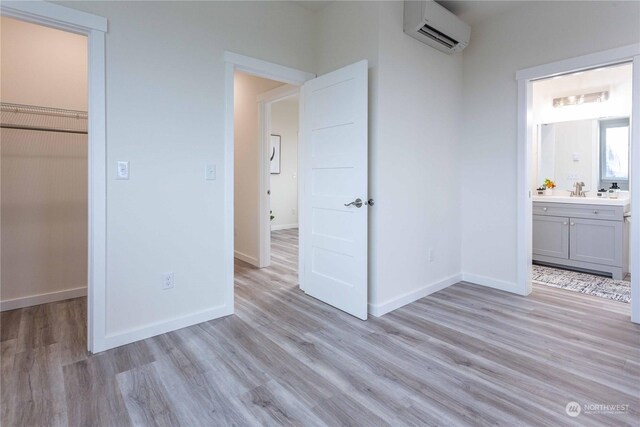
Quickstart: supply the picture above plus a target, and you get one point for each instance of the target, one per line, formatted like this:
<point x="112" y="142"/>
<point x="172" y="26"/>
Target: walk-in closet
<point x="44" y="183"/>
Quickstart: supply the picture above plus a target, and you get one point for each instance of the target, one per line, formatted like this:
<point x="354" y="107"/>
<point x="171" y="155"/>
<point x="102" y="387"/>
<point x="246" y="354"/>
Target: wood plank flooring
<point x="463" y="356"/>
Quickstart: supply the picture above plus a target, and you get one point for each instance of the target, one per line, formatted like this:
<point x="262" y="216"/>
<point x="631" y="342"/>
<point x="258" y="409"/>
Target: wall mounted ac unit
<point x="434" y="25"/>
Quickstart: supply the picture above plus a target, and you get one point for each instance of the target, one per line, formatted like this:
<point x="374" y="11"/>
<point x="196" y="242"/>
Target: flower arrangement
<point x="549" y="184"/>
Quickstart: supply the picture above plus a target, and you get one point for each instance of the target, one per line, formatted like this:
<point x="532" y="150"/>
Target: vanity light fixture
<point x="581" y="99"/>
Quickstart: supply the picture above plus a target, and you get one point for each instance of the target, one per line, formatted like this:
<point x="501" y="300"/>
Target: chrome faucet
<point x="578" y="192"/>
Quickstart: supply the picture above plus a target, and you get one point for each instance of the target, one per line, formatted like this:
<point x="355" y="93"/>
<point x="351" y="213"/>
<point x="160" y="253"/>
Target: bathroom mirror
<point x="594" y="151"/>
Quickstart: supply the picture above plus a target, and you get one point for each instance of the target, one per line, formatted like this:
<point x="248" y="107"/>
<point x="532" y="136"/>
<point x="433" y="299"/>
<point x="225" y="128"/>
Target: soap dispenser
<point x="614" y="190"/>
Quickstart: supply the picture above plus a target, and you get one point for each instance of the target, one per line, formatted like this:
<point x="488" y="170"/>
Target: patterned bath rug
<point x="590" y="284"/>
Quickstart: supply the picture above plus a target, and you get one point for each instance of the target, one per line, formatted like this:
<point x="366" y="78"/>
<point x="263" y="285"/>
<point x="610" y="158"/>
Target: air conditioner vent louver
<point x="437" y="36"/>
<point x="432" y="24"/>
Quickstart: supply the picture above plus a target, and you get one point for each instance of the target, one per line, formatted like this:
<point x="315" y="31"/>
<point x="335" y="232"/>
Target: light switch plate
<point x="123" y="170"/>
<point x="210" y="172"/>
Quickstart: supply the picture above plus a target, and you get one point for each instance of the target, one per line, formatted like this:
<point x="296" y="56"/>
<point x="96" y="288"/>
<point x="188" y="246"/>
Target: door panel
<point x="333" y="167"/>
<point x="597" y="241"/>
<point x="551" y="236"/>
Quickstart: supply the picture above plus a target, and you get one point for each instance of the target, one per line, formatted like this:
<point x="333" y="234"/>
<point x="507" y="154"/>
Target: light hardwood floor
<point x="463" y="356"/>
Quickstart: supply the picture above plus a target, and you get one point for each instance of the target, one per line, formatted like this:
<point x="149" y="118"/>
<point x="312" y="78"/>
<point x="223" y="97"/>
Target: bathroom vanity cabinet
<point x="582" y="236"/>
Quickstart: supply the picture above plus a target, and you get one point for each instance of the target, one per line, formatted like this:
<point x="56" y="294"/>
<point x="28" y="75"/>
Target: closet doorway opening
<point x="45" y="184"/>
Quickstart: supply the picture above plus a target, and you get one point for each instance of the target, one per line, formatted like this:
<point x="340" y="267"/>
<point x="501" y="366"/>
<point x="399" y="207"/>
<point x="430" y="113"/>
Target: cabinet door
<point x="551" y="236"/>
<point x="597" y="241"/>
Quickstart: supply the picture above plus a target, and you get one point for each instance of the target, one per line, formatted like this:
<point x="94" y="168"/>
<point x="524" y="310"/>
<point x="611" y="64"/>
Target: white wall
<point x="42" y="66"/>
<point x="165" y="114"/>
<point x="284" y="186"/>
<point x="414" y="137"/>
<point x="246" y="158"/>
<point x="532" y="34"/>
<point x="44" y="174"/>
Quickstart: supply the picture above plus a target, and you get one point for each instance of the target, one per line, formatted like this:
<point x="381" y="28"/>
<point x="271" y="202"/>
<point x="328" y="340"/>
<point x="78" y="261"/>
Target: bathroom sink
<point x="583" y="200"/>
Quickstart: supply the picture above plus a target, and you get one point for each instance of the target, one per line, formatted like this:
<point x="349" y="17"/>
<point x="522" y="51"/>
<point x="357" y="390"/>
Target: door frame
<point x="257" y="67"/>
<point x="525" y="78"/>
<point x="265" y="101"/>
<point x="95" y="28"/>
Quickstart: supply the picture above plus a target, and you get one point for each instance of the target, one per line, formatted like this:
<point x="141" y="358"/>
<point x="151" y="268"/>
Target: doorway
<point x="580" y="180"/>
<point x="333" y="188"/>
<point x="44" y="152"/>
<point x="266" y="114"/>
<point x="94" y="28"/>
<point x="526" y="135"/>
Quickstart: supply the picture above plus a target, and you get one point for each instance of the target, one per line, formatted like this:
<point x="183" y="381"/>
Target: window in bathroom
<point x="614" y="153"/>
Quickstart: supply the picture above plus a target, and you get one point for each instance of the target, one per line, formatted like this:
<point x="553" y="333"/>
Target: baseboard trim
<point x="378" y="310"/>
<point x="246" y="258"/>
<point x="283" y="227"/>
<point x="148" y="331"/>
<point x="500" y="285"/>
<point x="29" y="301"/>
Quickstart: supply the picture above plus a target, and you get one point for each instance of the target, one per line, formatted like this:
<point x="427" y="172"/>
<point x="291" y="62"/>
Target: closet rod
<point x="43" y="129"/>
<point x="43" y="111"/>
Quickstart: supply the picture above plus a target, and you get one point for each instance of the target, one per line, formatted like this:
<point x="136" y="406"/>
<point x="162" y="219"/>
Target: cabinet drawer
<point x="611" y="213"/>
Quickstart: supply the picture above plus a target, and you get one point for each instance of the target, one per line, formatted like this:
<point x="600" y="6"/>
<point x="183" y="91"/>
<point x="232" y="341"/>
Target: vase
<point x="548" y="192"/>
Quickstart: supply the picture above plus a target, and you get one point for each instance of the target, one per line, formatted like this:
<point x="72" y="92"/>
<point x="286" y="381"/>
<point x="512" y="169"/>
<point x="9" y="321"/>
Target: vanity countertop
<point x="583" y="200"/>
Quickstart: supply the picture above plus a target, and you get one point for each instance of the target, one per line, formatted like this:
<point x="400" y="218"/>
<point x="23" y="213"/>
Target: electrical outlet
<point x="430" y="255"/>
<point x="167" y="280"/>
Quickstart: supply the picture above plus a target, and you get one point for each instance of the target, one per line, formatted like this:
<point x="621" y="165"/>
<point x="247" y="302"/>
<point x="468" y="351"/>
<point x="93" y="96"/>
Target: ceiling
<point x="470" y="11"/>
<point x="473" y="11"/>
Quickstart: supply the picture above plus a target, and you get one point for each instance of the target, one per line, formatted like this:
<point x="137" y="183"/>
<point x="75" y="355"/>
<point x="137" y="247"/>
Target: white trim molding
<point x="381" y="309"/>
<point x="94" y="27"/>
<point x="489" y="282"/>
<point x="283" y="227"/>
<point x="267" y="70"/>
<point x="265" y="102"/>
<point x="45" y="298"/>
<point x="151" y="330"/>
<point x="635" y="193"/>
<point x="246" y="258"/>
<point x="525" y="77"/>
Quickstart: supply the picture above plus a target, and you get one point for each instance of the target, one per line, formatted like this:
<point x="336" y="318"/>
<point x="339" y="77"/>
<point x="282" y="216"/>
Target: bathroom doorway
<point x="576" y="175"/>
<point x="580" y="178"/>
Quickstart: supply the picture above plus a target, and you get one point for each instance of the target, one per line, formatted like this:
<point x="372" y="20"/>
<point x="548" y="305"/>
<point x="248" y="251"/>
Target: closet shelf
<point x="43" y="119"/>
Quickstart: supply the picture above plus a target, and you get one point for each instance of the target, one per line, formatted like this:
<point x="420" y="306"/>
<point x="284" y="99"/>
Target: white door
<point x="333" y="203"/>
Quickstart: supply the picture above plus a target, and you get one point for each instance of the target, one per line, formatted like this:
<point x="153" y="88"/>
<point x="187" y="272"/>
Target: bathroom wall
<point x="576" y="126"/>
<point x="43" y="174"/>
<point x="616" y="80"/>
<point x="284" y="186"/>
<point x="568" y="153"/>
<point x="246" y="169"/>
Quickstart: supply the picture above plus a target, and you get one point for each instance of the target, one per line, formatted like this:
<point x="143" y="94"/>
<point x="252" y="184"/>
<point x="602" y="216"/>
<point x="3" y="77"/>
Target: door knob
<point x="369" y="202"/>
<point x="357" y="203"/>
